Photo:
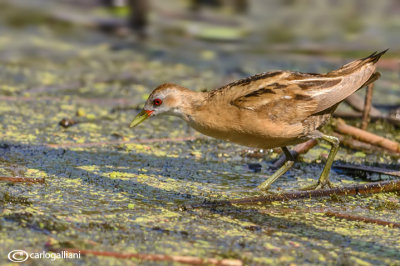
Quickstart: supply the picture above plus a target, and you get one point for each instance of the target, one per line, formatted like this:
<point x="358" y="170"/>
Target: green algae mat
<point x="110" y="188"/>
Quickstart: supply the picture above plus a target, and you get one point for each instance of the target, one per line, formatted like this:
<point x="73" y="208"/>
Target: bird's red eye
<point x="157" y="101"/>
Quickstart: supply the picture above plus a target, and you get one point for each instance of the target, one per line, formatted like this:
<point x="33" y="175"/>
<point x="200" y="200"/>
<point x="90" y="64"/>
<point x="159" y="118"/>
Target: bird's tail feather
<point x="354" y="76"/>
<point x="355" y="65"/>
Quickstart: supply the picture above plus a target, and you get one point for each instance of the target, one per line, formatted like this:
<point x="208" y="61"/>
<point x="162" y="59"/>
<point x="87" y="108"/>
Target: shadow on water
<point x="69" y="163"/>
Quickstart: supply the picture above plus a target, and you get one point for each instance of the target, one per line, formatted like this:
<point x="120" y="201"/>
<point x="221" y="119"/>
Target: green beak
<point x="143" y="115"/>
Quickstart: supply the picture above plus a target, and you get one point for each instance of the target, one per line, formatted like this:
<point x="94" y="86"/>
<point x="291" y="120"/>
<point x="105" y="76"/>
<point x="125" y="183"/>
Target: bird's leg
<point x="324" y="178"/>
<point x="286" y="166"/>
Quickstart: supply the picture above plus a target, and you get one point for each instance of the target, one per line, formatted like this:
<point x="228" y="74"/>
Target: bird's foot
<point x="264" y="186"/>
<point x="318" y="185"/>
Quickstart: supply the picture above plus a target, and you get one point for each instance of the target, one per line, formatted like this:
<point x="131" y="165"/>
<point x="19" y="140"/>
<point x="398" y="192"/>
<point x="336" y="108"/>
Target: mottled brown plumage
<point x="268" y="110"/>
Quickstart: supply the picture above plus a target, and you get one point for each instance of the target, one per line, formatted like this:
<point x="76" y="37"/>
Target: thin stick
<point x="367" y="106"/>
<point x="22" y="179"/>
<point x="361" y="219"/>
<point x="357" y="103"/>
<point x="352" y="143"/>
<point x="375" y="187"/>
<point x="348" y="141"/>
<point x="153" y="257"/>
<point x="296" y="151"/>
<point x="348" y="115"/>
<point x="118" y="142"/>
<point x="355" y="115"/>
<point x="369" y="169"/>
<point x="365" y="136"/>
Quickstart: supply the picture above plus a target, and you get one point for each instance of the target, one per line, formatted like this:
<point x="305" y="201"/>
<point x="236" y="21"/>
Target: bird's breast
<point x="245" y="128"/>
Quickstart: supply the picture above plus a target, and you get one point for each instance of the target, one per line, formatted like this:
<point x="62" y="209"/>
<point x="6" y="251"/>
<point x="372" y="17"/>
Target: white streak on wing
<point x="318" y="92"/>
<point x="308" y="79"/>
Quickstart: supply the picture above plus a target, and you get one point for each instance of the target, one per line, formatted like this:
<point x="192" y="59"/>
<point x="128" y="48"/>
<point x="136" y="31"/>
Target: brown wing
<point x="294" y="96"/>
<point x="246" y="85"/>
<point x="279" y="101"/>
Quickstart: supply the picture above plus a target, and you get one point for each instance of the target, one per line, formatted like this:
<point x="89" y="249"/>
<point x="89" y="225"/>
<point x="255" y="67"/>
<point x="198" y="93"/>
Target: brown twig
<point x="369" y="169"/>
<point x="352" y="143"/>
<point x="348" y="115"/>
<point x="152" y="257"/>
<point x="22" y="179"/>
<point x="375" y="187"/>
<point x="296" y="151"/>
<point x="367" y="106"/>
<point x="348" y="141"/>
<point x="118" y="142"/>
<point x="361" y="219"/>
<point x="365" y="136"/>
<point x="357" y="103"/>
<point x="355" y="115"/>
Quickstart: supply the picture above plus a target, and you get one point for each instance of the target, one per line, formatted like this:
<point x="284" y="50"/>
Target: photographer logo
<point x="18" y="255"/>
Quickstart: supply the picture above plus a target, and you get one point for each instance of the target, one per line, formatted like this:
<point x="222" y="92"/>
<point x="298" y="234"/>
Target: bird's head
<point x="165" y="99"/>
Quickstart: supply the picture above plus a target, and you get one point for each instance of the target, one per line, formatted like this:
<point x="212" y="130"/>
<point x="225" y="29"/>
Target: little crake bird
<point x="273" y="109"/>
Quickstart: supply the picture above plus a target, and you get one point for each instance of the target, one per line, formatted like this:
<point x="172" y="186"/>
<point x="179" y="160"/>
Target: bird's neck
<point x="190" y="102"/>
